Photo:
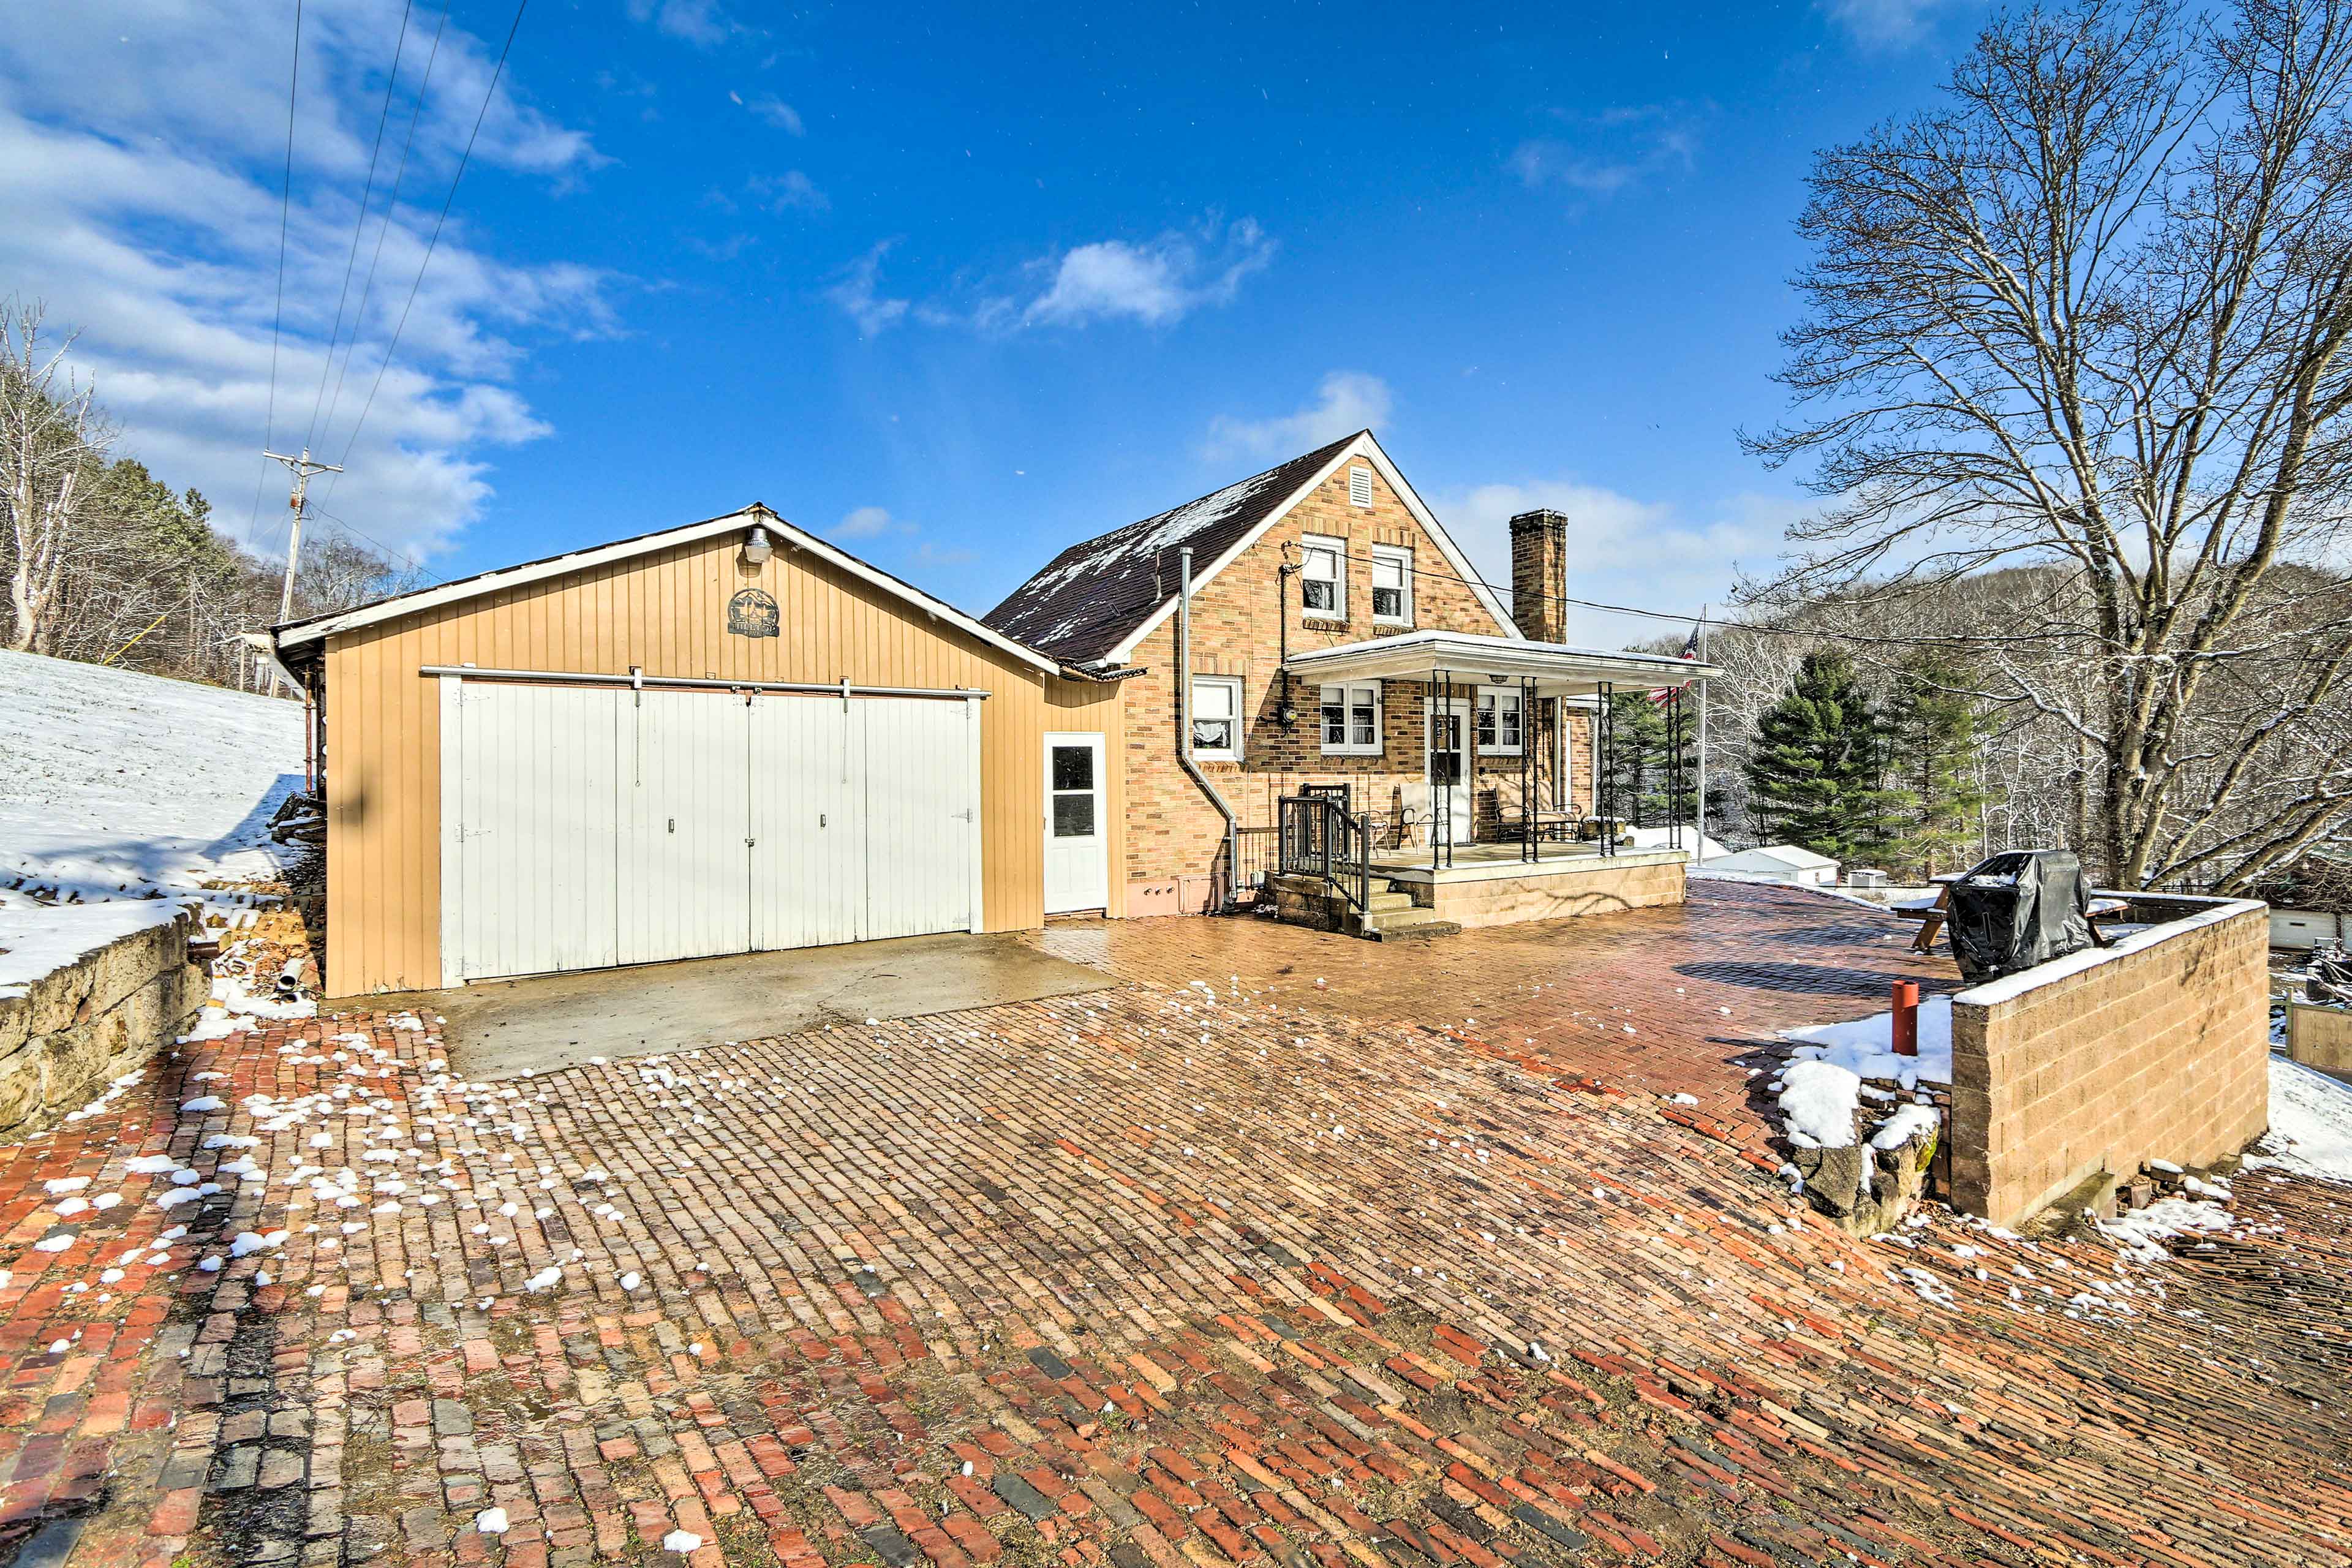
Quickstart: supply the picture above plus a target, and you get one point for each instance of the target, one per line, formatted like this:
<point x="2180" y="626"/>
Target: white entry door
<point x="1077" y="836"/>
<point x="1447" y="760"/>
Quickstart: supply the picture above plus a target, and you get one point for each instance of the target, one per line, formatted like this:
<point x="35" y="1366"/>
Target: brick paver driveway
<point x="1257" y="1272"/>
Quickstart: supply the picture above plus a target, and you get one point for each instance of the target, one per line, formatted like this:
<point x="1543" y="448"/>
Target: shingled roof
<point x="1092" y="596"/>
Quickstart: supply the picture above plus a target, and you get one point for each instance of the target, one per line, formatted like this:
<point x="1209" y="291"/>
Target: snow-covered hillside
<point x="116" y="786"/>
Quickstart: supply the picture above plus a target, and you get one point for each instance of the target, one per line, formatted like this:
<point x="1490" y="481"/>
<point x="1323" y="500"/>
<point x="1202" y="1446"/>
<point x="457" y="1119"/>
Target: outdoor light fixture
<point x="757" y="548"/>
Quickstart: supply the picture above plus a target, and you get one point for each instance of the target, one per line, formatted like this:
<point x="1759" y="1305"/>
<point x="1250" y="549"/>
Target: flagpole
<point x="1699" y="853"/>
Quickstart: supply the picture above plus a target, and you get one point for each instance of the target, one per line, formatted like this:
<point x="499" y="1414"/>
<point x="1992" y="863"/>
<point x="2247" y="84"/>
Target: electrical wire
<point x="391" y="206"/>
<point x="1684" y="618"/>
<point x="359" y="225"/>
<point x="278" y="318"/>
<point x="463" y="159"/>
<point x="405" y="557"/>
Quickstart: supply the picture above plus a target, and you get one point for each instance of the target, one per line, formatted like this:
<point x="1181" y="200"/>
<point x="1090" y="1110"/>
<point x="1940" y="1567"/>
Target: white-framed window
<point x="1359" y="486"/>
<point x="1392" y="585"/>
<point x="1217" y="718"/>
<point x="1323" y="578"/>
<point x="1502" y="723"/>
<point x="1351" y="721"/>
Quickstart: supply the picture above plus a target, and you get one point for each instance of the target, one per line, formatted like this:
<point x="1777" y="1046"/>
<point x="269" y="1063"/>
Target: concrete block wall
<point x="1238" y="630"/>
<point x="2157" y="1050"/>
<point x="90" y="1022"/>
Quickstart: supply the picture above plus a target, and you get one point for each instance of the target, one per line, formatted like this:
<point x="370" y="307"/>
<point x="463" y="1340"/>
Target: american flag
<point x="1665" y="694"/>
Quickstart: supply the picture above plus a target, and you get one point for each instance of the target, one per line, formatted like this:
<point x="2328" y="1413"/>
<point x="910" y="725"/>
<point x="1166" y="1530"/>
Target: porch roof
<point x="1557" y="668"/>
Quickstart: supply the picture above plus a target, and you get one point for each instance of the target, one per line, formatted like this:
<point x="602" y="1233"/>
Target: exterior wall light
<point x="757" y="548"/>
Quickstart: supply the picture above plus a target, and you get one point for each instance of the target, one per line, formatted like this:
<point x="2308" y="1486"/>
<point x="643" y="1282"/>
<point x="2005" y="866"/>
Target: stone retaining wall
<point x="81" y="1026"/>
<point x="2158" y="1049"/>
<point x="1634" y="879"/>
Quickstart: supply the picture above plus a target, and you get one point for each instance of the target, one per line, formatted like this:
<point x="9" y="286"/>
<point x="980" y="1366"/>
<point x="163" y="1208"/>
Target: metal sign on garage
<point x="753" y="613"/>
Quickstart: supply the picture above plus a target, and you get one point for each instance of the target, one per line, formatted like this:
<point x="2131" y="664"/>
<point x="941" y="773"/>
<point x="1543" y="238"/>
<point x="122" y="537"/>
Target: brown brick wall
<point x="1237" y="630"/>
<point x="2158" y="1053"/>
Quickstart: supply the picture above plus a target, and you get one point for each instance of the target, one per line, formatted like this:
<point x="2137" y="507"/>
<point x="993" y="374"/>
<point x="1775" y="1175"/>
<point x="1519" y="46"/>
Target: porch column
<point x="1698" y="850"/>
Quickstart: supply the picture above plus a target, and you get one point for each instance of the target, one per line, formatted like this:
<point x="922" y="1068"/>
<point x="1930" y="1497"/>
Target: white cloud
<point x="1622" y="551"/>
<point x="788" y="190"/>
<point x="1347" y="401"/>
<point x="142" y="186"/>
<point x="701" y="22"/>
<point x="774" y="110"/>
<point x="1156" y="282"/>
<point x="1597" y="155"/>
<point x="868" y="522"/>
<point x="1884" y="23"/>
<point x="858" y="291"/>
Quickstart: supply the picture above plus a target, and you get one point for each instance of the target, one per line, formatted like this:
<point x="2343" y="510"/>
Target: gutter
<point x="1184" y="714"/>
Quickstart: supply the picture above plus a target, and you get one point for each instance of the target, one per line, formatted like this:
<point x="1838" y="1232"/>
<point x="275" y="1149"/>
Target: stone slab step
<point x="1413" y="925"/>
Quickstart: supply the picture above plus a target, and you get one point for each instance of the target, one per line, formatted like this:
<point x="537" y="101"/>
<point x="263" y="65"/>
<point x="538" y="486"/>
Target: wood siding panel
<point x="665" y="612"/>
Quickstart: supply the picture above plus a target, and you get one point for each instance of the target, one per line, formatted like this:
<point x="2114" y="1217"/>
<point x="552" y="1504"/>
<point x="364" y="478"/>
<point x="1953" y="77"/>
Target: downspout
<point x="1185" y="716"/>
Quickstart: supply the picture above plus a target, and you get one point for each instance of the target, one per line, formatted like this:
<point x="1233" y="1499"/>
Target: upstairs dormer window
<point x="1360" y="486"/>
<point x="1392" y="585"/>
<point x="1323" y="578"/>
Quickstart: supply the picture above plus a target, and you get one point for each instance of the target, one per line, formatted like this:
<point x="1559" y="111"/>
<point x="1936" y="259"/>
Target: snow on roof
<point x="1085" y="600"/>
<point x="1783" y="853"/>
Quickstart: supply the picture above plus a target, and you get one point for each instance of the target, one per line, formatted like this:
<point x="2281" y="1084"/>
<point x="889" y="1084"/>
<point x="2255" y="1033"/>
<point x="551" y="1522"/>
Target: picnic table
<point x="1931" y="912"/>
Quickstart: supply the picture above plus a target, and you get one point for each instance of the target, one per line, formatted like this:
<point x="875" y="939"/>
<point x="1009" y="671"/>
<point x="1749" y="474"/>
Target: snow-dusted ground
<point x="2311" y="1123"/>
<point x="118" y="786"/>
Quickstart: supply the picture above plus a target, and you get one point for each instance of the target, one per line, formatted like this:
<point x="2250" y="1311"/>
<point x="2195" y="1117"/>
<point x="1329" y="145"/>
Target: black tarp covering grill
<point x="2017" y="910"/>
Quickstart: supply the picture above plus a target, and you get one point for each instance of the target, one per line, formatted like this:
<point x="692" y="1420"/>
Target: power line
<point x="401" y="555"/>
<point x="464" y="158"/>
<point x="285" y="205"/>
<point x="359" y="223"/>
<point x="391" y="206"/>
<point x="1703" y="620"/>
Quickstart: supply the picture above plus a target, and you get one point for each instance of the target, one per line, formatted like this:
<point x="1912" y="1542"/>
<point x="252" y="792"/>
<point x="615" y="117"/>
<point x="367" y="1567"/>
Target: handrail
<point x="1319" y="837"/>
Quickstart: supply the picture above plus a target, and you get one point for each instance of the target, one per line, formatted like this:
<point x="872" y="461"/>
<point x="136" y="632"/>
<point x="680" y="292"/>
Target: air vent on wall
<point x="1360" y="486"/>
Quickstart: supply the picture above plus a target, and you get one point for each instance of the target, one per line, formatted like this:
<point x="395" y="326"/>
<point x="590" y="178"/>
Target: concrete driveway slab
<point x="504" y="1028"/>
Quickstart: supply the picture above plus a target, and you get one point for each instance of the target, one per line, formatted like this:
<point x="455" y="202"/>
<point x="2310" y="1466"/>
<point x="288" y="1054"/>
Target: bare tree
<point x="2092" y="312"/>
<point x="53" y="439"/>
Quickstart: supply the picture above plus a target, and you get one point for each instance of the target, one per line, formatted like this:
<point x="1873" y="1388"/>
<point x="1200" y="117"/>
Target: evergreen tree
<point x="1933" y="728"/>
<point x="1817" y="773"/>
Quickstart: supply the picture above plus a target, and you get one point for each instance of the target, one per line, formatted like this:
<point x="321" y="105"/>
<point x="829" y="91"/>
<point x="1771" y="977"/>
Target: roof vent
<point x="1360" y="486"/>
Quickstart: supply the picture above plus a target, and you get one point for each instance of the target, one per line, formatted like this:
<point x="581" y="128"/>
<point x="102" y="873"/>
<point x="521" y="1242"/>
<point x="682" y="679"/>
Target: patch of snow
<point x="2311" y="1123"/>
<point x="1818" y="1100"/>
<point x="2142" y="1231"/>
<point x="1865" y="1046"/>
<point x="681" y="1541"/>
<point x="37" y="939"/>
<point x="1897" y="1129"/>
<point x="93" y="807"/>
<point x="491" y="1521"/>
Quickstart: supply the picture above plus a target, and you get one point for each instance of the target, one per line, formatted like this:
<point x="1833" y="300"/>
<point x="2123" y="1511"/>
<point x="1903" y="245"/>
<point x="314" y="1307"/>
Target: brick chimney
<point x="1539" y="573"/>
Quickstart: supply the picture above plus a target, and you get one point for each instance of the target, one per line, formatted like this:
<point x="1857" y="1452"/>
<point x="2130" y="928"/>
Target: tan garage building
<point x="721" y="738"/>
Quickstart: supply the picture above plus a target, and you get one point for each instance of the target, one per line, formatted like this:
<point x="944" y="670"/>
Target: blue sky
<point x="954" y="292"/>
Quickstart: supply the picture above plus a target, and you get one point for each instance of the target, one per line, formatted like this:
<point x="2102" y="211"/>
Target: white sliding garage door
<point x="584" y="827"/>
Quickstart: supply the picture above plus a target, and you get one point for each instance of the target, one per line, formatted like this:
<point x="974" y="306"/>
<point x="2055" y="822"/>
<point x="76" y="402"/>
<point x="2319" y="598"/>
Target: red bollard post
<point x="1906" y="1017"/>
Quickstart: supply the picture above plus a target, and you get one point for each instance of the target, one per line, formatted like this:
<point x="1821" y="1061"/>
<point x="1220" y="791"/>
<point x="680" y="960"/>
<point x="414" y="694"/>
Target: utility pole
<point x="302" y="468"/>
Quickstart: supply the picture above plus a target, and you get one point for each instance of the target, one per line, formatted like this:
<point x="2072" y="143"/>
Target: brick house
<point x="1312" y="585"/>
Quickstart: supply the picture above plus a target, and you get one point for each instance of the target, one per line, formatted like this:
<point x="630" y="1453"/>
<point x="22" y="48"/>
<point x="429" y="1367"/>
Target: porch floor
<point x="1485" y="859"/>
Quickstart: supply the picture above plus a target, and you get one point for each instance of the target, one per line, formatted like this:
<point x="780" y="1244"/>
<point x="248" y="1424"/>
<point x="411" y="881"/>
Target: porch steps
<point x="1411" y="923"/>
<point x="1391" y="915"/>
